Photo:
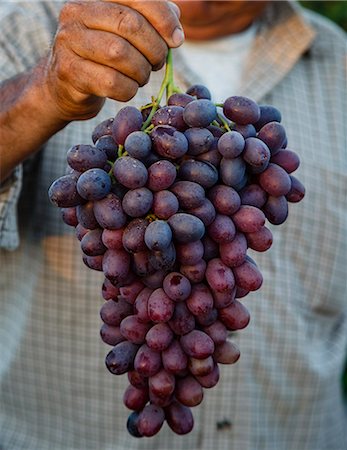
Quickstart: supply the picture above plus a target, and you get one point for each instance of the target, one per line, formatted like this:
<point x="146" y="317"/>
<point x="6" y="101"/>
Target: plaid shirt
<point x="285" y="392"/>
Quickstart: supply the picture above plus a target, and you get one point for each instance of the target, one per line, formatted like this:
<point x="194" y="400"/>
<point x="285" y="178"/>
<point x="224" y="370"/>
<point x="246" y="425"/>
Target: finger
<point x="161" y="16"/>
<point x="91" y="78"/>
<point x="175" y="9"/>
<point x="113" y="51"/>
<point x="123" y="21"/>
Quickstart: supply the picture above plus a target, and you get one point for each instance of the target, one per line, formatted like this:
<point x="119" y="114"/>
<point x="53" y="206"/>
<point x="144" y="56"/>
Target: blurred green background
<point x="336" y="11"/>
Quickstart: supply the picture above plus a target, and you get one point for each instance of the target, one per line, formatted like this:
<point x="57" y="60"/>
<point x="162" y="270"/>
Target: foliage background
<point x="337" y="12"/>
<point x="334" y="10"/>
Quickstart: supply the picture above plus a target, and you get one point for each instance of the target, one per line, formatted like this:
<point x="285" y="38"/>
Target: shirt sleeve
<point x="26" y="31"/>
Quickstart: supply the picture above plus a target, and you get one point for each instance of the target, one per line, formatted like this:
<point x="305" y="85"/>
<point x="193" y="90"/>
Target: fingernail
<point x="177" y="36"/>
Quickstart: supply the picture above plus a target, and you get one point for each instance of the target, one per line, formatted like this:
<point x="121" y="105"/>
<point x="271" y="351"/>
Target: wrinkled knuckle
<point x="116" y="50"/>
<point x="62" y="36"/>
<point x="129" y="23"/>
<point x="64" y="68"/>
<point x="68" y="12"/>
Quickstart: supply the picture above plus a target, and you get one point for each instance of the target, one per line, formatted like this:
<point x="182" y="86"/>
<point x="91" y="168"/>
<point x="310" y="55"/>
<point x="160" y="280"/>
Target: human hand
<point x="107" y="49"/>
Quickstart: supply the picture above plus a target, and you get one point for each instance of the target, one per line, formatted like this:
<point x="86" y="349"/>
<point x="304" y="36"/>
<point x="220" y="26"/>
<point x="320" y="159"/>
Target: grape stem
<point x="224" y="122"/>
<point x="120" y="150"/>
<point x="167" y="85"/>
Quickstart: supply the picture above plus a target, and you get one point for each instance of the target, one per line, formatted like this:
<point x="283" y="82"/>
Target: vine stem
<point x="166" y="85"/>
<point x="224" y="122"/>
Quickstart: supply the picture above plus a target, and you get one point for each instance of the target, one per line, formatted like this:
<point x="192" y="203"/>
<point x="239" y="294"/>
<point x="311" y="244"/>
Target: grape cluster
<point x="166" y="203"/>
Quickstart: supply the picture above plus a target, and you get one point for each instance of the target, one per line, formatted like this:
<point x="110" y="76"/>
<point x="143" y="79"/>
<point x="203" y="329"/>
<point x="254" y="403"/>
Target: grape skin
<point x="162" y="384"/>
<point x="268" y="113"/>
<point x="194" y="272"/>
<point x="147" y="362"/>
<point x="225" y="199"/>
<point x="133" y="330"/>
<point x="234" y="253"/>
<point x="160" y="306"/>
<point x="150" y="420"/>
<point x="190" y="253"/>
<point x="84" y="157"/>
<point x="138" y="144"/>
<point x="200" y="113"/>
<point x="205" y="212"/>
<point x="199" y="91"/>
<point x="168" y="216"/>
<point x="182" y="321"/>
<point x="219" y="276"/>
<point x="159" y="337"/>
<point x="199" y="140"/>
<point x="91" y="243"/>
<point x="63" y="192"/>
<point x="69" y="216"/>
<point x="276" y="209"/>
<point x="109" y="291"/>
<point x="109" y="213"/>
<point x="200" y="172"/>
<point x="189" y="194"/>
<point x="232" y="171"/>
<point x="222" y="229"/>
<point x="133" y="238"/>
<point x="104" y="128"/>
<point x="169" y="142"/>
<point x="121" y="358"/>
<point x="180" y="99"/>
<point x="231" y="144"/>
<point x="127" y="120"/>
<point x="189" y="391"/>
<point x="137" y="202"/>
<point x="287" y="159"/>
<point x="130" y="172"/>
<point x="200" y="301"/>
<point x="93" y="184"/>
<point x="241" y="110"/>
<point x="186" y="228"/>
<point x="177" y="286"/>
<point x="248" y="219"/>
<point x="158" y="235"/>
<point x="226" y="353"/>
<point x="197" y="344"/>
<point x="165" y="204"/>
<point x="275" y="180"/>
<point x="297" y="190"/>
<point x="161" y="175"/>
<point x="274" y="135"/>
<point x="170" y="115"/>
<point x="235" y="316"/>
<point x="113" y="312"/>
<point x="174" y="359"/>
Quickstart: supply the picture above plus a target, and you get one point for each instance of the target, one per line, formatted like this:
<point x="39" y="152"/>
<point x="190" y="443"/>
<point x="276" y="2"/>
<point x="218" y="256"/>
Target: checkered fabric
<point x="285" y="392"/>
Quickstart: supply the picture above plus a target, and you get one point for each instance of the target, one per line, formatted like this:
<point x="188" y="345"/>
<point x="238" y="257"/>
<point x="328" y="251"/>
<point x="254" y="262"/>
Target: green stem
<point x="120" y="150"/>
<point x="149" y="129"/>
<point x="224" y="122"/>
<point x="170" y="82"/>
<point x="167" y="85"/>
<point x="220" y="105"/>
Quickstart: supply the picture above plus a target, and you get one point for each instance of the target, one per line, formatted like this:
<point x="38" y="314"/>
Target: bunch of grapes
<point x="166" y="204"/>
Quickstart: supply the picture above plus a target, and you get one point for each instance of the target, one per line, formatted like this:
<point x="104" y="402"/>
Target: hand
<point x="107" y="49"/>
